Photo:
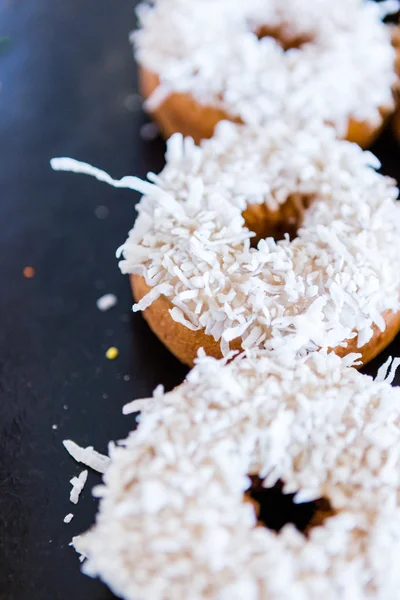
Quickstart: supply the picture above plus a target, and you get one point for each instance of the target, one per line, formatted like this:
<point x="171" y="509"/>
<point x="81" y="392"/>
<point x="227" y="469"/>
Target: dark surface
<point x="65" y="77"/>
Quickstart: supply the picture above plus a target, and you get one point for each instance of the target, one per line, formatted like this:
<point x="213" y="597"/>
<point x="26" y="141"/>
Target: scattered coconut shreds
<point x="256" y="80"/>
<point x="172" y="521"/>
<point x="68" y="518"/>
<point x="87" y="456"/>
<point x="393" y="370"/>
<point x="106" y="302"/>
<point x="387" y="371"/>
<point x="78" y="483"/>
<point x="149" y="132"/>
<point x="383" y="370"/>
<point x="70" y="164"/>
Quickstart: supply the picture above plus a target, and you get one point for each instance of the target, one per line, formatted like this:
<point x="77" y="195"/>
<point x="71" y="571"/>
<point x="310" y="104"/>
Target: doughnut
<point x="277" y="238"/>
<point x="257" y="61"/>
<point x="177" y="518"/>
<point x="396" y="116"/>
<point x="202" y="279"/>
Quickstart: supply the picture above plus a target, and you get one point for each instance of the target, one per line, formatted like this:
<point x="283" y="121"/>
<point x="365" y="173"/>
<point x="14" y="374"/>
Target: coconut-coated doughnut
<point x="207" y="60"/>
<point x="396" y="116"/>
<point x="202" y="280"/>
<point x="174" y="522"/>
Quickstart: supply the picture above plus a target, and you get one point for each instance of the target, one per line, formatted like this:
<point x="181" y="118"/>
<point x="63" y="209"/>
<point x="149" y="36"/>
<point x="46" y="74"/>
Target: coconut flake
<point x="387" y="372"/>
<point x="76" y="166"/>
<point x="106" y="302"/>
<point x="87" y="456"/>
<point x="78" y="483"/>
<point x="68" y="518"/>
<point x="383" y="370"/>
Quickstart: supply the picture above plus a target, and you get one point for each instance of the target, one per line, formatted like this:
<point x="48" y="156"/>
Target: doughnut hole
<point x="274" y="509"/>
<point x="264" y="222"/>
<point x="285" y="38"/>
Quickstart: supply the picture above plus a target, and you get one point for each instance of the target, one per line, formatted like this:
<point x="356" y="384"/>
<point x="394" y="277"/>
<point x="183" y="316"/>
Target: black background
<point x="65" y="77"/>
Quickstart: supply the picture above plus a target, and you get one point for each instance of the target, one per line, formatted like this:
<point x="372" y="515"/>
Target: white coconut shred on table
<point x="87" y="456"/>
<point x="106" y="302"/>
<point x="68" y="518"/>
<point x="78" y="483"/>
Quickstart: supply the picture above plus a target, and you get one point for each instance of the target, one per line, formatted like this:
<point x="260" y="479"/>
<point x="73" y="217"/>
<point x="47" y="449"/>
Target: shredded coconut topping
<point x="210" y="49"/>
<point x="334" y="280"/>
<point x="172" y="520"/>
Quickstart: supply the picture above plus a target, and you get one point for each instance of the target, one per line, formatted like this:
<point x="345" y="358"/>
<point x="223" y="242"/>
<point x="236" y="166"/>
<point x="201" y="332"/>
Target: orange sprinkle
<point x="29" y="272"/>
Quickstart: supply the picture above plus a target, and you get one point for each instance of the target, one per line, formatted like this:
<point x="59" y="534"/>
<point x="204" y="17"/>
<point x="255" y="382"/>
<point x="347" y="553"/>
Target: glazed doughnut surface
<point x="330" y="284"/>
<point x="265" y="59"/>
<point x="173" y="523"/>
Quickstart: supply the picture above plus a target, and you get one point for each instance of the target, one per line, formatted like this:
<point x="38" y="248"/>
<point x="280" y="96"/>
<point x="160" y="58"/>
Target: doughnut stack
<point x="265" y="255"/>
